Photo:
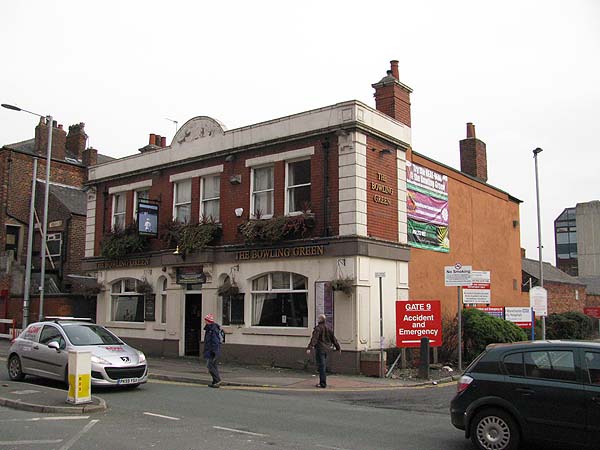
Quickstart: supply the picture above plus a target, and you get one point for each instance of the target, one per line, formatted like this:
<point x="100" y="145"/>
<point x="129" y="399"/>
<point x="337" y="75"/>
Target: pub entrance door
<point x="193" y="324"/>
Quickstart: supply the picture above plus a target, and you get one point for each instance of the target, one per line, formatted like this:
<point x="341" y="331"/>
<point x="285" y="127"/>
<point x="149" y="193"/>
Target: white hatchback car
<point x="42" y="350"/>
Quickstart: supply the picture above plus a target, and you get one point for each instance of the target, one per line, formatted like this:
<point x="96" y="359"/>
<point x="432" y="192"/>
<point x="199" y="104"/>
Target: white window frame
<point x="271" y="290"/>
<point x="52" y="237"/>
<point x="212" y="199"/>
<point x="124" y="293"/>
<point x="288" y="187"/>
<point x="123" y="213"/>
<point x="176" y="185"/>
<point x="253" y="192"/>
<point x="136" y="198"/>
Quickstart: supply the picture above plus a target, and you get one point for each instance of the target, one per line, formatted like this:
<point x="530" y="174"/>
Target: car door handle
<point x="525" y="391"/>
<point x="35" y="347"/>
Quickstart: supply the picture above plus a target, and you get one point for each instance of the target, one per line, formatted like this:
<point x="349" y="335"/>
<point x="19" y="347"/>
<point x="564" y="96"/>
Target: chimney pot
<point x="60" y="127"/>
<point x="163" y="141"/>
<point x="157" y="140"/>
<point x="470" y="130"/>
<point x="54" y="123"/>
<point x="152" y="139"/>
<point x="394" y="65"/>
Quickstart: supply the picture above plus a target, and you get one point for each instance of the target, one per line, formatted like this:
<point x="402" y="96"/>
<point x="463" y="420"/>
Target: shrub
<point x="569" y="325"/>
<point x="481" y="329"/>
<point x="190" y="237"/>
<point x="277" y="228"/>
<point x="120" y="243"/>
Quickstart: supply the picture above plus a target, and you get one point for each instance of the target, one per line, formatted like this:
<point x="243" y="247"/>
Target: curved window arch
<point x="280" y="299"/>
<point x="127" y="305"/>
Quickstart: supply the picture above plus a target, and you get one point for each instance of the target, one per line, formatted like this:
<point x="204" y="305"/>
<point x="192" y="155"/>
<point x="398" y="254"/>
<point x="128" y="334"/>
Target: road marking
<point x="331" y="448"/>
<point x="75" y="438"/>
<point x="36" y="419"/>
<point x="239" y="431"/>
<point x="25" y="392"/>
<point x="160" y="415"/>
<point x="46" y="441"/>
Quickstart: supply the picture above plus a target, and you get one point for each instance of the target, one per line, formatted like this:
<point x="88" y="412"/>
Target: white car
<point x="42" y="350"/>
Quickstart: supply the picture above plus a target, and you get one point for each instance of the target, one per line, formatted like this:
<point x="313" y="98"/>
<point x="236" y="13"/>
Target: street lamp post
<point x="539" y="224"/>
<point x="45" y="222"/>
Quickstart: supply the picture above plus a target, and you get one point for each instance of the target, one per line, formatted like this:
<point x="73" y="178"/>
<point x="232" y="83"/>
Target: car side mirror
<point x="54" y="345"/>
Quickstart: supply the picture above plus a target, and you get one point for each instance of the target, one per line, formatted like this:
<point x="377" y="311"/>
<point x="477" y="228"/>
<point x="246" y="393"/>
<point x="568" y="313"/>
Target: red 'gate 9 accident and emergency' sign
<point x="416" y="319"/>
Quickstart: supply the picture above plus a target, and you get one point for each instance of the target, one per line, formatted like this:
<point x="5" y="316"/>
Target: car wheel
<point x="15" y="372"/>
<point x="494" y="429"/>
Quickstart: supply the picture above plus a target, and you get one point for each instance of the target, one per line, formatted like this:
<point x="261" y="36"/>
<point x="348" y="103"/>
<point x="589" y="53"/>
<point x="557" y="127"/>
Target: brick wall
<point x="382" y="191"/>
<point x="562" y="297"/>
<point x="75" y="247"/>
<point x="60" y="305"/>
<point x="235" y="195"/>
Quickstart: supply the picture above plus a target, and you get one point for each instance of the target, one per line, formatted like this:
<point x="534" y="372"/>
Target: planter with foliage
<point x="228" y="289"/>
<point x="277" y="228"/>
<point x="143" y="287"/>
<point x="121" y="243"/>
<point x="190" y="237"/>
<point x="345" y="285"/>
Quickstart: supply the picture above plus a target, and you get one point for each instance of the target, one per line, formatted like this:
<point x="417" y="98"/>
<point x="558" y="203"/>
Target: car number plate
<point x="127" y="380"/>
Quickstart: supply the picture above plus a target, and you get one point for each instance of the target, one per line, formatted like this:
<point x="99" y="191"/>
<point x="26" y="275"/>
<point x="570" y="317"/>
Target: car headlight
<point x="142" y="357"/>
<point x="98" y="360"/>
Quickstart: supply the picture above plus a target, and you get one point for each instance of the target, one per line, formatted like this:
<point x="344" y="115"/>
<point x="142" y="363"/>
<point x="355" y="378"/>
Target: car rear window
<point x="551" y="365"/>
<point x="513" y="363"/>
<point x="592" y="362"/>
<point x="90" y="335"/>
<point x="485" y="363"/>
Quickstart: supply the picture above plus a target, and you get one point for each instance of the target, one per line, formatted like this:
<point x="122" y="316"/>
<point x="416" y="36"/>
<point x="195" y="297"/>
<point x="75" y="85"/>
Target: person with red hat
<point x="212" y="348"/>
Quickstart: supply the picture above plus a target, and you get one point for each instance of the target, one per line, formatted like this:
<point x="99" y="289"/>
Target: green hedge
<point x="568" y="325"/>
<point x="481" y="329"/>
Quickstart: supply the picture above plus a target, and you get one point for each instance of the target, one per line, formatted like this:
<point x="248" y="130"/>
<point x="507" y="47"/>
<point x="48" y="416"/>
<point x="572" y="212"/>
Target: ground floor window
<point x="280" y="299"/>
<point x="233" y="309"/>
<point x="126" y="304"/>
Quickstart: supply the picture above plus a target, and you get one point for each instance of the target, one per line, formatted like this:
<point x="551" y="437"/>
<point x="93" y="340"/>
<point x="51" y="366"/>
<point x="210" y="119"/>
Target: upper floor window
<point x="54" y="241"/>
<point x="298" y="186"/>
<point x="211" y="194"/>
<point x="118" y="211"/>
<point x="262" y="192"/>
<point x="182" y="201"/>
<point x="280" y="299"/>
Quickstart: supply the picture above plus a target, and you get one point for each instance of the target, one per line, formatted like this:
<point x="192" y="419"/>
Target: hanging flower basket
<point x="345" y="285"/>
<point x="143" y="287"/>
<point x="228" y="289"/>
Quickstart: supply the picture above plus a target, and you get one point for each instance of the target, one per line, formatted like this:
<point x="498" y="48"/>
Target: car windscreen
<point x="90" y="335"/>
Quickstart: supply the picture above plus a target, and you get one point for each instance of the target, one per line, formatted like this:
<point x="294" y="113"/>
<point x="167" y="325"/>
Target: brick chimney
<point x="89" y="157"/>
<point x="155" y="142"/>
<point x="76" y="140"/>
<point x="393" y="97"/>
<point x="473" y="157"/>
<point x="59" y="139"/>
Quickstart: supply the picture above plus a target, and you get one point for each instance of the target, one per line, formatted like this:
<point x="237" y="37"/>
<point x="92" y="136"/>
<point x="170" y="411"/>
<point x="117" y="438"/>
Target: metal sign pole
<point x="459" y="313"/>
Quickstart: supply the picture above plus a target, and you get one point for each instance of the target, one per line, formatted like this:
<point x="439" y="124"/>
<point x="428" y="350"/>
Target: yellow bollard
<point x="80" y="377"/>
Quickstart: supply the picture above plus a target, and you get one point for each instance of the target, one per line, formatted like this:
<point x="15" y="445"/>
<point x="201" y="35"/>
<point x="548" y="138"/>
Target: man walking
<point x="212" y="348"/>
<point x="322" y="341"/>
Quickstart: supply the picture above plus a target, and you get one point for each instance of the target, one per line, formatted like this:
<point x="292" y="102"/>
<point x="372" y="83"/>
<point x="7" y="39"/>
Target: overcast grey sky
<point x="526" y="73"/>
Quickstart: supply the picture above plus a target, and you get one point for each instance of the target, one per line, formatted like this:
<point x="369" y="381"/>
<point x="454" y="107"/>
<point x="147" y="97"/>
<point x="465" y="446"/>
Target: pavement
<point x="45" y="399"/>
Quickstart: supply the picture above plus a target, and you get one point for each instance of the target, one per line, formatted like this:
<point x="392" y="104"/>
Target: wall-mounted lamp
<point x="235" y="179"/>
<point x="239" y="212"/>
<point x="385" y="151"/>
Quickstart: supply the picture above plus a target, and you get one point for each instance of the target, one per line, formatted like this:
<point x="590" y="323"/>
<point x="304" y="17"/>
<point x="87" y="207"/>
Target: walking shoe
<point x="321" y="386"/>
<point x="215" y="385"/>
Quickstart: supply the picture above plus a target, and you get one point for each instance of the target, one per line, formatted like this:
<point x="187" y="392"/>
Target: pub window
<point x="182" y="201"/>
<point x="280" y="299"/>
<point x="126" y="304"/>
<point x="211" y="196"/>
<point x="297" y="186"/>
<point x="262" y="192"/>
<point x="54" y="241"/>
<point x="232" y="303"/>
<point x="118" y="211"/>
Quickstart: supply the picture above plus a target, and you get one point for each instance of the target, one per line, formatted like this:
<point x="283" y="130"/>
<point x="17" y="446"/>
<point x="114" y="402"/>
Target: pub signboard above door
<point x="190" y="275"/>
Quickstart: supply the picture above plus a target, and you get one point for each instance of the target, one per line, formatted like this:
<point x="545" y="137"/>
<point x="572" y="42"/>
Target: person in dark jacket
<point x="322" y="341"/>
<point x="212" y="348"/>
